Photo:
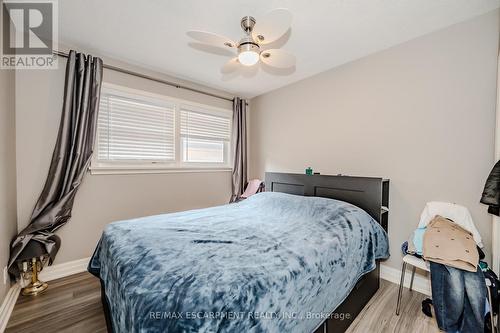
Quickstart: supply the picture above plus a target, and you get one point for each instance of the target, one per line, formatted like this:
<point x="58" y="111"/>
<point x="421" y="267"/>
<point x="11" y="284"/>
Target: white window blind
<point x="137" y="128"/>
<point x="205" y="136"/>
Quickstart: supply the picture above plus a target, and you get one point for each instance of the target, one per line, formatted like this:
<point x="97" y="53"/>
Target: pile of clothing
<point x="449" y="241"/>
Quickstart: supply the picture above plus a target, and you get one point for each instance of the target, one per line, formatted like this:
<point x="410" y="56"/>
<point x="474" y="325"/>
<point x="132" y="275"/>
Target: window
<point x="135" y="129"/>
<point x="142" y="132"/>
<point x="204" y="137"/>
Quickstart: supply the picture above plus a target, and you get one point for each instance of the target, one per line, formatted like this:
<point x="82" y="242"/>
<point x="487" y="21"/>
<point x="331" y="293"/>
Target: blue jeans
<point x="459" y="298"/>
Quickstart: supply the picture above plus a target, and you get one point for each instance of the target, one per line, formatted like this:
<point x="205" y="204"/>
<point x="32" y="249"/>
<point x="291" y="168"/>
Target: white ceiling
<point x="324" y="33"/>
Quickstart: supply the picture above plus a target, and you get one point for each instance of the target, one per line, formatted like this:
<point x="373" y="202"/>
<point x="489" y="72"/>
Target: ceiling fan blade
<point x="272" y="26"/>
<point x="230" y="66"/>
<point x="277" y="58"/>
<point x="211" y="39"/>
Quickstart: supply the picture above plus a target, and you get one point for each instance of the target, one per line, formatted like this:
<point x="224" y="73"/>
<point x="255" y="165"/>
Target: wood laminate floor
<point x="73" y="304"/>
<point x="379" y="315"/>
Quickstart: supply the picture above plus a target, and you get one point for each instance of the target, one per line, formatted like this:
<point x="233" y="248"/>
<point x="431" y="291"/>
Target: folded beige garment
<point x="449" y="244"/>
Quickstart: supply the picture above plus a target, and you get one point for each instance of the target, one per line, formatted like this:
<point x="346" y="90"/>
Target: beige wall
<point x="8" y="226"/>
<point x="421" y="113"/>
<point x="101" y="198"/>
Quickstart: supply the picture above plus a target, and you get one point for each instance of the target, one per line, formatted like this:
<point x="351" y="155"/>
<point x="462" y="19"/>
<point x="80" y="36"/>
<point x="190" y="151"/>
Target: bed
<point x="291" y="259"/>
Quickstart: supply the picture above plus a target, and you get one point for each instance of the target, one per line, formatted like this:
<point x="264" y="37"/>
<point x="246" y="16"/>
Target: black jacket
<point x="491" y="193"/>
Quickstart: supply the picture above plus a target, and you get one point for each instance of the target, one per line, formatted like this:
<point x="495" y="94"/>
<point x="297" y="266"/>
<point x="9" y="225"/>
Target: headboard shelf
<point x="368" y="193"/>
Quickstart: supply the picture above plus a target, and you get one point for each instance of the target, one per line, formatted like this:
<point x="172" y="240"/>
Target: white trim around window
<point x="141" y="132"/>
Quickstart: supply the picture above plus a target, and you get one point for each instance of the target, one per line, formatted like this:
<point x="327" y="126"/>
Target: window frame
<point x="157" y="166"/>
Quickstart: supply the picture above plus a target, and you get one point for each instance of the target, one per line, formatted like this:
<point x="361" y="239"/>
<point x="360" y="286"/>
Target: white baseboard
<point x="8" y="305"/>
<point x="58" y="271"/>
<point x="421" y="283"/>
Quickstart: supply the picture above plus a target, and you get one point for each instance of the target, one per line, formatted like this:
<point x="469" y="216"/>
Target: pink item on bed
<point x="252" y="188"/>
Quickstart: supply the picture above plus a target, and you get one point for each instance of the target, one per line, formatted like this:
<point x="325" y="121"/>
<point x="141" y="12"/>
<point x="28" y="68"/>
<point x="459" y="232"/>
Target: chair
<point x="415" y="263"/>
<point x="424" y="265"/>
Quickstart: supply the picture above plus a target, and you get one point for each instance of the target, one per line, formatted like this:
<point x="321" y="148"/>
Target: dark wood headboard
<point x="368" y="193"/>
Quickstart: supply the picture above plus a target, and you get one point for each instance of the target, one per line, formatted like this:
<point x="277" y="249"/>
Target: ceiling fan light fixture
<point x="248" y="54"/>
<point x="258" y="35"/>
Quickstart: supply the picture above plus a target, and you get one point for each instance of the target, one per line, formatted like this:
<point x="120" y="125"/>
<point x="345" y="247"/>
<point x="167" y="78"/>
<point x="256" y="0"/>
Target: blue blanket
<point x="272" y="263"/>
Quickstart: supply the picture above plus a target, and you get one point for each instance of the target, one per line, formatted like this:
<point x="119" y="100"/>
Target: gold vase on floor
<point x="36" y="286"/>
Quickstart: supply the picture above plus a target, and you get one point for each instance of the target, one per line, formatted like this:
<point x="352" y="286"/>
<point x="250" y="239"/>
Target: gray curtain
<point x="70" y="158"/>
<point x="240" y="147"/>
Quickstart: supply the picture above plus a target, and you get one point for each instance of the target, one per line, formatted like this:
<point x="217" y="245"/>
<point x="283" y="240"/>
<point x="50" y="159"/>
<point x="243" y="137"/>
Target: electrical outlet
<point x="5" y="275"/>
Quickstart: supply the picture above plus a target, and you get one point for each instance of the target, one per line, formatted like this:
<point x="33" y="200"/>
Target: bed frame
<point x="370" y="194"/>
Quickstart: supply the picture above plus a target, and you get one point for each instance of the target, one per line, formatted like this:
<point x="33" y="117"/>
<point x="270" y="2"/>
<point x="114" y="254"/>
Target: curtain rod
<point x="147" y="77"/>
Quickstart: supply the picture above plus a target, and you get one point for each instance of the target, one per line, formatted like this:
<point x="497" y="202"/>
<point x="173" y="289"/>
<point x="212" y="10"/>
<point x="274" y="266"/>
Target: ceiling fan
<point x="252" y="47"/>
